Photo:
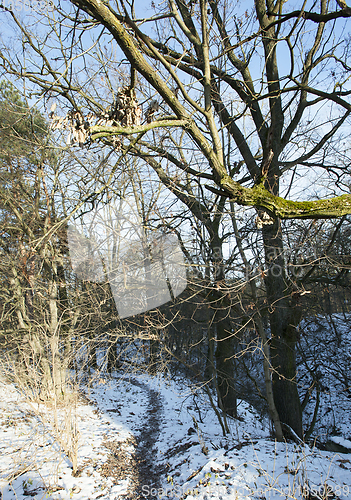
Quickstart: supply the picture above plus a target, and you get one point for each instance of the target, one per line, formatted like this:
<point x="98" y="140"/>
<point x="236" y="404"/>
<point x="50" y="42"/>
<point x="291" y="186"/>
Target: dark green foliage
<point x="22" y="129"/>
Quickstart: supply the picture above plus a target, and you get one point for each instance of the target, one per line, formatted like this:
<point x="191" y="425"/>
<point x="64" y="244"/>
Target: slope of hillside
<point x="143" y="437"/>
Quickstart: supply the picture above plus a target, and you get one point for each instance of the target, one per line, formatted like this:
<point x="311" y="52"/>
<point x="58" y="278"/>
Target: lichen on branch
<point x="259" y="197"/>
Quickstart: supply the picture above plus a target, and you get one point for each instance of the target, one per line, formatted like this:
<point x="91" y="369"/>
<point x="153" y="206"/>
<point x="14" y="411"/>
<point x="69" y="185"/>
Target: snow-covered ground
<point x="123" y="418"/>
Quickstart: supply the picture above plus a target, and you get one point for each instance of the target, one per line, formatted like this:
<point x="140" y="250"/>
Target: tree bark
<point x="283" y="330"/>
<point x="221" y="306"/>
<point x="224" y="362"/>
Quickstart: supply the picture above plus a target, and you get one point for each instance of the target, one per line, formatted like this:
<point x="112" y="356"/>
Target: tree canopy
<point x="213" y="67"/>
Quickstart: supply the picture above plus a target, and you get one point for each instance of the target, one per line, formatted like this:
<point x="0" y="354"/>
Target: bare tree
<point x="238" y="105"/>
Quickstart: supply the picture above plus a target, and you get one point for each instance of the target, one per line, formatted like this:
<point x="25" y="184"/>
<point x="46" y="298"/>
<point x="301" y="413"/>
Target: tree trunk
<point x="221" y="306"/>
<point x="225" y="366"/>
<point x="283" y="330"/>
<point x="154" y="347"/>
<point x="268" y="380"/>
<point x="227" y="396"/>
<point x="210" y="365"/>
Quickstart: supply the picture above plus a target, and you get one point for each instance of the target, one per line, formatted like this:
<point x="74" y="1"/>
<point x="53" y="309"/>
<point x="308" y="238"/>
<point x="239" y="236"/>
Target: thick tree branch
<point x="98" y="132"/>
<point x="315" y="17"/>
<point x="260" y="197"/>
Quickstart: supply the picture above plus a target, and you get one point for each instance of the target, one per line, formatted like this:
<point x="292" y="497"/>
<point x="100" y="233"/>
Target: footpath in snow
<point x="143" y="437"/>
